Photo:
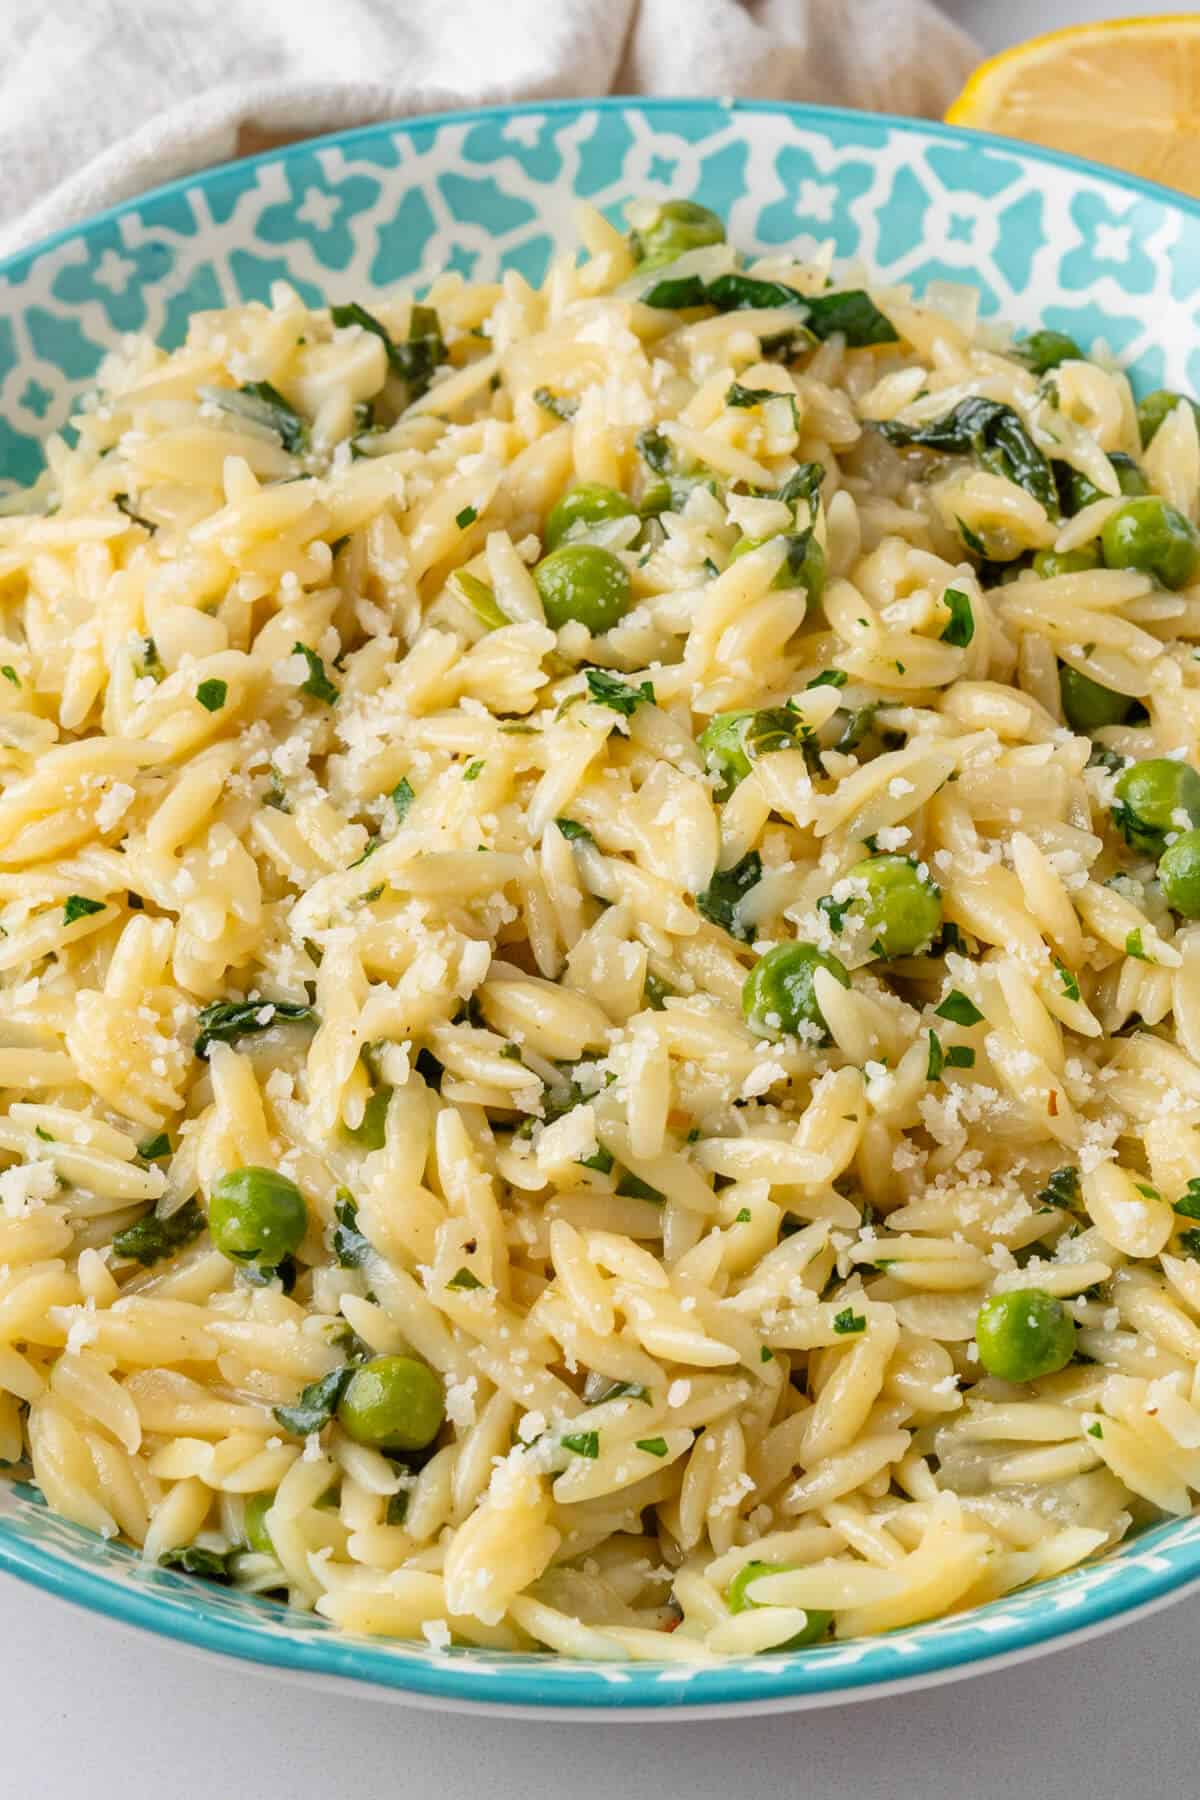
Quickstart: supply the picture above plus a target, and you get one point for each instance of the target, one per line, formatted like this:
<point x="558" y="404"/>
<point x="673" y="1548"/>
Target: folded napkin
<point x="101" y="99"/>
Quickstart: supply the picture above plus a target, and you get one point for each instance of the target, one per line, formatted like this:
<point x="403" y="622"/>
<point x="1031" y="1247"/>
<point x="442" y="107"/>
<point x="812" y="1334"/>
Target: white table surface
<point x="95" y="1712"/>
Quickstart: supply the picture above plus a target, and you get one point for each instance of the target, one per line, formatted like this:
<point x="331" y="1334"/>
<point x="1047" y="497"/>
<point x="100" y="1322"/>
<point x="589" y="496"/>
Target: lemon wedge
<point x="1124" y="92"/>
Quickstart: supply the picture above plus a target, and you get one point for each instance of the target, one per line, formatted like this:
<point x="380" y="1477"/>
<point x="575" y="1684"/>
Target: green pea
<point x="678" y="225"/>
<point x="1048" y="563"/>
<point x="1045" y="350"/>
<point x="1154" y="408"/>
<point x="733" y="741"/>
<point x="585" y="504"/>
<point x="738" y="1600"/>
<point x="778" y="995"/>
<point x="1076" y="491"/>
<point x="1154" y="797"/>
<point x="255" y="1523"/>
<point x="1149" y="534"/>
<point x="393" y="1403"/>
<point x="902" y="909"/>
<point x="1087" y="706"/>
<point x="1179" y="873"/>
<point x="256" y="1216"/>
<point x="803" y="566"/>
<point x="1024" y="1334"/>
<point x="583" y="582"/>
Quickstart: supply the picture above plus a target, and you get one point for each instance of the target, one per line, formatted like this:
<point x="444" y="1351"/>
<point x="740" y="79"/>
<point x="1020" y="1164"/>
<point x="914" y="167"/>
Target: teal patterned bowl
<point x="1046" y="239"/>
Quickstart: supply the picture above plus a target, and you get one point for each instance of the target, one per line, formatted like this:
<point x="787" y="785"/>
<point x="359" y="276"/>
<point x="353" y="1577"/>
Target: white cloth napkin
<point x="101" y="99"/>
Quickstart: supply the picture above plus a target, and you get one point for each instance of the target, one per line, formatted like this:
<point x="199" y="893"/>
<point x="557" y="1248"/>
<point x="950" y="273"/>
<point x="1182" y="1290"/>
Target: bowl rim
<point x="550" y="1686"/>
<point x="964" y="136"/>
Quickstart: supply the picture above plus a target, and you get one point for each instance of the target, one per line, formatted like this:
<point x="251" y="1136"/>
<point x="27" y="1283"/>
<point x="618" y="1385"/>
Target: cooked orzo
<point x="600" y="1023"/>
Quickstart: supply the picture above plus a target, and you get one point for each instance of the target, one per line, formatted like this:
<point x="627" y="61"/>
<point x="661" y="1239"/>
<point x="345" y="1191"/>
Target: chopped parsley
<point x="78" y="906"/>
<point x="152" y="1148"/>
<point x="961" y="628"/>
<point x="937" y="1058"/>
<point x="10" y="674"/>
<point x="1070" y="984"/>
<point x="607" y="689"/>
<point x="473" y="770"/>
<point x="1095" y="1429"/>
<point x="743" y="1217"/>
<point x="317" y="682"/>
<point x="1188" y="1203"/>
<point x="574" y="832"/>
<point x="958" y="1009"/>
<point x="402" y="798"/>
<point x="555" y="403"/>
<point x="848" y="1322"/>
<point x="466" y="517"/>
<point x="1133" y="946"/>
<point x="835" y="678"/>
<point x="655" y="1446"/>
<point x="212" y="695"/>
<point x="464" y="1280"/>
<point x="583" y="1443"/>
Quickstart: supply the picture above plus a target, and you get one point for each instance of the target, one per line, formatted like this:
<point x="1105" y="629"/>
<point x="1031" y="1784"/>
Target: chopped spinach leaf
<point x="224" y="1021"/>
<point x="213" y="1565"/>
<point x="317" y="1403"/>
<point x="992" y="432"/>
<point x="1062" y="1190"/>
<point x="719" y="901"/>
<point x="349" y="1245"/>
<point x="263" y="404"/>
<point x="149" y="1239"/>
<point x="121" y="502"/>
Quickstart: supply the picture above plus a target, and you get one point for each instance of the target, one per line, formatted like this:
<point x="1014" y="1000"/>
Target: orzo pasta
<point x="600" y="1017"/>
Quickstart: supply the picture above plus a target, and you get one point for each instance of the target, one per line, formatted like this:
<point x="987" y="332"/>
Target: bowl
<point x="1046" y="239"/>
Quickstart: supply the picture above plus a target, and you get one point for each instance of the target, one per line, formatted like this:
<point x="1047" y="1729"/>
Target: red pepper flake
<point x="1052" y="1103"/>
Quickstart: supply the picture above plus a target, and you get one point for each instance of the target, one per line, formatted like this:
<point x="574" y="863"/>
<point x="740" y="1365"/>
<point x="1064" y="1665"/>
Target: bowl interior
<point x="1045" y="240"/>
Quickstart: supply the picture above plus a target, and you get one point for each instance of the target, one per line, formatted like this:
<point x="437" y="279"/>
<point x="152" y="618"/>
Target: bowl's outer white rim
<point x="964" y="137"/>
<point x="319" y="1679"/>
